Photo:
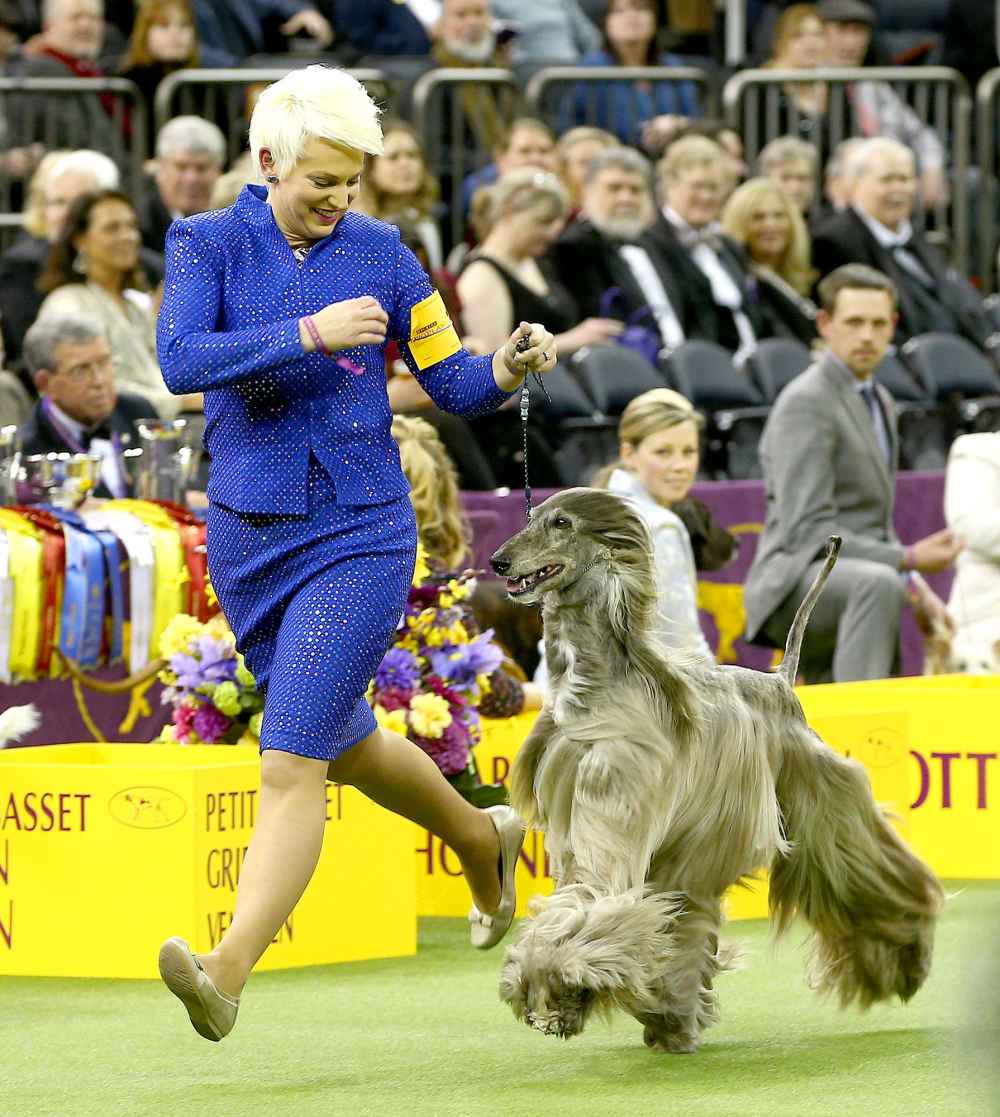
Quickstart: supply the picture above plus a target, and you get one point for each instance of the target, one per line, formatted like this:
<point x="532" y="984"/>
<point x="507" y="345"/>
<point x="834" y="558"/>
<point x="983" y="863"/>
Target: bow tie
<point x="710" y="235"/>
<point x="102" y="430"/>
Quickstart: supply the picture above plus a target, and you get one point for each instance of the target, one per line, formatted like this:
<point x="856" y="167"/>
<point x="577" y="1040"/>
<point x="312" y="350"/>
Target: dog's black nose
<point x="500" y="565"/>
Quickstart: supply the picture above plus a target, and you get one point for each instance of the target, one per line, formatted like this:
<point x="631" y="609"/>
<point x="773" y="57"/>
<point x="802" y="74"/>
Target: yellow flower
<point x="421" y="570"/>
<point x="249" y="739"/>
<point x="483" y="682"/>
<point x="457" y="634"/>
<point x="434" y="637"/>
<point x="409" y="643"/>
<point x="429" y="715"/>
<point x="459" y="590"/>
<point x="393" y="720"/>
<point x="181" y="630"/>
<point x="446" y="600"/>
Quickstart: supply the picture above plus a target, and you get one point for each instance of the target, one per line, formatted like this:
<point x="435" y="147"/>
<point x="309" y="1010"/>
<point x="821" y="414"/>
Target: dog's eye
<point x="561" y="522"/>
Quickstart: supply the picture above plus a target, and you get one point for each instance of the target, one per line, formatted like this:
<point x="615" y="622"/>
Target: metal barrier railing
<point x="755" y="104"/>
<point x="459" y="114"/>
<point x="104" y="114"/>
<point x="987" y="154"/>
<point x="226" y="98"/>
<point x="736" y="31"/>
<point x="566" y="96"/>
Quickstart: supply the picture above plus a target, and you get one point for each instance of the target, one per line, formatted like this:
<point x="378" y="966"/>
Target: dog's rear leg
<point x="688" y="1001"/>
<point x="870" y="901"/>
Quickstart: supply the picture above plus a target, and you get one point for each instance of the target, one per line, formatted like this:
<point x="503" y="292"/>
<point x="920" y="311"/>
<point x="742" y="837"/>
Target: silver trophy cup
<point x="164" y="463"/>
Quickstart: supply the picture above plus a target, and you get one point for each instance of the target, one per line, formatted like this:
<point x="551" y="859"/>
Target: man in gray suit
<point x="829" y="453"/>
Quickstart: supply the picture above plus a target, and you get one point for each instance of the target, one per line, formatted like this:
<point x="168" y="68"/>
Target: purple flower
<point x="210" y="725"/>
<point x="450" y="751"/>
<point x="460" y="665"/>
<point x="215" y="662"/>
<point x="398" y="669"/>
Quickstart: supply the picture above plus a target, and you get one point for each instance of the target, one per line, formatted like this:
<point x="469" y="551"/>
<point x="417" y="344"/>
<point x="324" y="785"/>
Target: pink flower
<point x="183" y="719"/>
<point x="210" y="725"/>
<point x="450" y="752"/>
<point x="393" y="698"/>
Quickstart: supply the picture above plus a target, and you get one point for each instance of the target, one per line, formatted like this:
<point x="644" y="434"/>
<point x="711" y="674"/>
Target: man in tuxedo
<point x="693" y="180"/>
<point x="876" y="230"/>
<point x="829" y="454"/>
<point x="606" y="261"/>
<point x="79" y="409"/>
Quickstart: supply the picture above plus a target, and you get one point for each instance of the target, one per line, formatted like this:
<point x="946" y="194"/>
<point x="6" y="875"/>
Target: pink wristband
<point x="311" y="330"/>
<point x="909" y="558"/>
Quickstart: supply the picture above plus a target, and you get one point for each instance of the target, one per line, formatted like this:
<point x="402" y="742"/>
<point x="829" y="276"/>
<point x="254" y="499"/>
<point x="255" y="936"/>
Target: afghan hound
<point x="660" y="780"/>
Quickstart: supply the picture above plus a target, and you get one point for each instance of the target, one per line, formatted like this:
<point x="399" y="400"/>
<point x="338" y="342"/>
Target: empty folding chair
<point x="612" y="376"/>
<point x="924" y="426"/>
<point x="581" y="435"/>
<point x="704" y="372"/>
<point x="775" y="363"/>
<point x="957" y="374"/>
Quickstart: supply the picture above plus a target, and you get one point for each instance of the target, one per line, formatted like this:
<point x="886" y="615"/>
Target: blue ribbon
<point x="82" y="629"/>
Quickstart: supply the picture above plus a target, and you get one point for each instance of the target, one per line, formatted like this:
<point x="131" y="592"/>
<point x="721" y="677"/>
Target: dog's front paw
<point x="673" y="1043"/>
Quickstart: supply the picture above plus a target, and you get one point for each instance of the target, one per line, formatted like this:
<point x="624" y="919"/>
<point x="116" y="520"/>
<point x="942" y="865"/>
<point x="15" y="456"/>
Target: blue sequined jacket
<point x="229" y="327"/>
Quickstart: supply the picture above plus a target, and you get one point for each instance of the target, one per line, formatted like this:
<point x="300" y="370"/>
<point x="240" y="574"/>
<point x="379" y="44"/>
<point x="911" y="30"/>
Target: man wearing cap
<point x="877" y="108"/>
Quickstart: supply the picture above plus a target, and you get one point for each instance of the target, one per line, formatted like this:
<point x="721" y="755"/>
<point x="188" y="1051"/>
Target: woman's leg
<point x="284" y="848"/>
<point x="400" y="776"/>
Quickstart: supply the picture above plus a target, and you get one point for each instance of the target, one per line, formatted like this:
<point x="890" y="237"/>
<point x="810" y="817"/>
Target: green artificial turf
<point x="427" y="1036"/>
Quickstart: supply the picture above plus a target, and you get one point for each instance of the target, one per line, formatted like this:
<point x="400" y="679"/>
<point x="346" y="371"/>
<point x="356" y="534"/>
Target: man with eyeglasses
<point x="79" y="408"/>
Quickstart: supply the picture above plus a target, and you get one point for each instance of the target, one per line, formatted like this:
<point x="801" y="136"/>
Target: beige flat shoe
<point x="212" y="1013"/>
<point x="487" y="930"/>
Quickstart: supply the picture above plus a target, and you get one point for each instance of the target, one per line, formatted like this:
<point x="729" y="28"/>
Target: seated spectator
<point x="66" y="177"/>
<point x="658" y="436"/>
<point x="508" y="279"/>
<point x="240" y="28"/>
<point x="972" y="511"/>
<point x="574" y="153"/>
<point x="630" y="31"/>
<point x="80" y="409"/>
<point x="692" y="178"/>
<point x="836" y="188"/>
<point x="876" y="230"/>
<point x="529" y="142"/>
<point x="69" y="46"/>
<point x="164" y="40"/>
<point x="829" y="454"/>
<point x="551" y="31"/>
<point x="190" y="154"/>
<point x="763" y="220"/>
<point x="876" y="108"/>
<point x="607" y="263"/>
<point x="93" y="271"/>
<point x="792" y="164"/>
<point x="445" y="534"/>
<point x="385" y="27"/>
<point x="16" y="398"/>
<point x="399" y="184"/>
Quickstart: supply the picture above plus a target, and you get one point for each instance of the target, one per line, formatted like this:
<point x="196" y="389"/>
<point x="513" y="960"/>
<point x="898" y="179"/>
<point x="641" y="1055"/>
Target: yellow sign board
<point x="106" y="850"/>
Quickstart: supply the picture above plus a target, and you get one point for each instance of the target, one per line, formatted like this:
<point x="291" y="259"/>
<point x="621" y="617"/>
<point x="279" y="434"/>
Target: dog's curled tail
<point x="793" y="645"/>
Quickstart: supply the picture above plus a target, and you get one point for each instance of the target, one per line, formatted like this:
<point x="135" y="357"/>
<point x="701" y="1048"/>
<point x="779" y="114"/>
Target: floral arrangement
<point x="214" y="696"/>
<point x="429" y="684"/>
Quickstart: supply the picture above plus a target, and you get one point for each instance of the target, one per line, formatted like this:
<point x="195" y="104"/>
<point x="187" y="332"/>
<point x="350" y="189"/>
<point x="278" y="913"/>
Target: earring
<point x="272" y="179"/>
<point x="80" y="264"/>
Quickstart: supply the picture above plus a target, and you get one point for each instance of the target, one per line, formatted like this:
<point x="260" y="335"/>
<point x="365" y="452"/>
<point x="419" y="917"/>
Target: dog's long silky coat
<point x="661" y="780"/>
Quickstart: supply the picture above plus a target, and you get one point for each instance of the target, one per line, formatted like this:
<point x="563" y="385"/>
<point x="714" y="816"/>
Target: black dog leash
<point x="523" y="344"/>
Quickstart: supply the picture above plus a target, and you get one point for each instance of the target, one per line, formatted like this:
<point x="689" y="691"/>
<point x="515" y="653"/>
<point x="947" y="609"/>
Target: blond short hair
<point x="515" y="192"/>
<point x="657" y="410"/>
<point x="318" y="102"/>
<point x="692" y="153"/>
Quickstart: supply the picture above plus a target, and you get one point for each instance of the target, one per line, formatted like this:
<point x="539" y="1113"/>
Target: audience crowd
<point x="627" y="218"/>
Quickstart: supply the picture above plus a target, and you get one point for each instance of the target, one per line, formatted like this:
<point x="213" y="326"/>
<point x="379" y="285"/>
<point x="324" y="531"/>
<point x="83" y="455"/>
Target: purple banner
<point x="738" y="506"/>
<point x="62" y="722"/>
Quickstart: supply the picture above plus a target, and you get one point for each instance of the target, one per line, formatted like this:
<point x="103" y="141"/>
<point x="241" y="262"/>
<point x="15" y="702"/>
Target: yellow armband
<point x="432" y="336"/>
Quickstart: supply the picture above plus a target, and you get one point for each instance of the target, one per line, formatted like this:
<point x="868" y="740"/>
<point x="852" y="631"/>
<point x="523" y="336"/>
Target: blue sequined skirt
<point x="314" y="602"/>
